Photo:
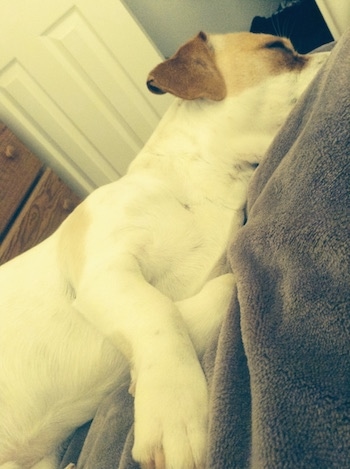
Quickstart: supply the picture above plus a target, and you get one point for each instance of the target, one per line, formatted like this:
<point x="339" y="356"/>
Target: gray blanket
<point x="280" y="375"/>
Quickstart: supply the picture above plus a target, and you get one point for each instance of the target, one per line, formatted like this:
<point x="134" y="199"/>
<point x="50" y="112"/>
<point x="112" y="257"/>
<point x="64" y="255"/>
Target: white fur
<point x="136" y="278"/>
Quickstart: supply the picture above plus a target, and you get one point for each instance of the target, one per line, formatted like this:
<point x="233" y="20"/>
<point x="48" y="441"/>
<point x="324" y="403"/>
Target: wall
<point x="171" y="22"/>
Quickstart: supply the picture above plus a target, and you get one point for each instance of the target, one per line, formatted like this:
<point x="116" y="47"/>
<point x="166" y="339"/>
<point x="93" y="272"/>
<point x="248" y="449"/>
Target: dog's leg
<point x="170" y="387"/>
<point x="204" y="312"/>
<point x="10" y="465"/>
<point x="50" y="462"/>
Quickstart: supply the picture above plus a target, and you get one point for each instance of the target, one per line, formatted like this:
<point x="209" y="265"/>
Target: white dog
<point x="136" y="279"/>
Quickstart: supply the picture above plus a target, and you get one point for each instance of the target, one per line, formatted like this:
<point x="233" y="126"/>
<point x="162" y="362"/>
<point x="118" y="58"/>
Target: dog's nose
<point x="154" y="89"/>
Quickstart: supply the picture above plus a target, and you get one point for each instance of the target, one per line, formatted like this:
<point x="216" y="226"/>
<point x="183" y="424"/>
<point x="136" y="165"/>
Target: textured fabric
<point x="105" y="443"/>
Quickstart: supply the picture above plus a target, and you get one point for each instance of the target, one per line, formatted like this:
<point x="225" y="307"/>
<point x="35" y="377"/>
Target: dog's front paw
<point x="171" y="411"/>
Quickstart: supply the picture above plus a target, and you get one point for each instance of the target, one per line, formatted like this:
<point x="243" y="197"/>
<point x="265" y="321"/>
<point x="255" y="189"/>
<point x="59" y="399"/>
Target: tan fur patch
<point x="72" y="243"/>
<point x="189" y="74"/>
<point x="245" y="59"/>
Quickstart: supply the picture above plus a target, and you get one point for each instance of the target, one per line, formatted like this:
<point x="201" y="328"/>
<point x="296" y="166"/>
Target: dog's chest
<point x="188" y="250"/>
<point x="178" y="232"/>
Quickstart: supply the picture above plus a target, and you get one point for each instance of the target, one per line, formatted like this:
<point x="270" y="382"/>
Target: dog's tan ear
<point x="189" y="74"/>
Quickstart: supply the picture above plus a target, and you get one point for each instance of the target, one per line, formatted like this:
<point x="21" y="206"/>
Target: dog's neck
<point x="222" y="134"/>
<point x="205" y="150"/>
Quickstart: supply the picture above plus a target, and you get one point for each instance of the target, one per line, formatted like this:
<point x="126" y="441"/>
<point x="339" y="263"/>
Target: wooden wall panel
<point x="19" y="169"/>
<point x="48" y="205"/>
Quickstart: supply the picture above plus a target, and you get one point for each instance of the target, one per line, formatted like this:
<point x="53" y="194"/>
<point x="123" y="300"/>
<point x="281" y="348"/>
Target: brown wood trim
<point x="49" y="204"/>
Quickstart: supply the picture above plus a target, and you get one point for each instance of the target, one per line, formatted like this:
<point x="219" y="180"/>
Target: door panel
<point x="72" y="85"/>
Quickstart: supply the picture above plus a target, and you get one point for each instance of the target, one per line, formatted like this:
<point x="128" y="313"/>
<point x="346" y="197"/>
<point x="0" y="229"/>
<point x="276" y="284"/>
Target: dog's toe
<point x="157" y="463"/>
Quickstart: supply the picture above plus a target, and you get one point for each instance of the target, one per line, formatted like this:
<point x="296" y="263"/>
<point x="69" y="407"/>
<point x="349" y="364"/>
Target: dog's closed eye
<point x="276" y="45"/>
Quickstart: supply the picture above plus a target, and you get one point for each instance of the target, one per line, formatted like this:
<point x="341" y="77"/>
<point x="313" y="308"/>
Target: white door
<point x="72" y="85"/>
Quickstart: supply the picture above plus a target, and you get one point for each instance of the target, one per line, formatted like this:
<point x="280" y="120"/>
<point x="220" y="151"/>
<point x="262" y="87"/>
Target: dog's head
<point x="216" y="66"/>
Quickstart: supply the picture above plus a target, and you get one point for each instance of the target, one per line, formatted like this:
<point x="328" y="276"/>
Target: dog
<point x="136" y="281"/>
